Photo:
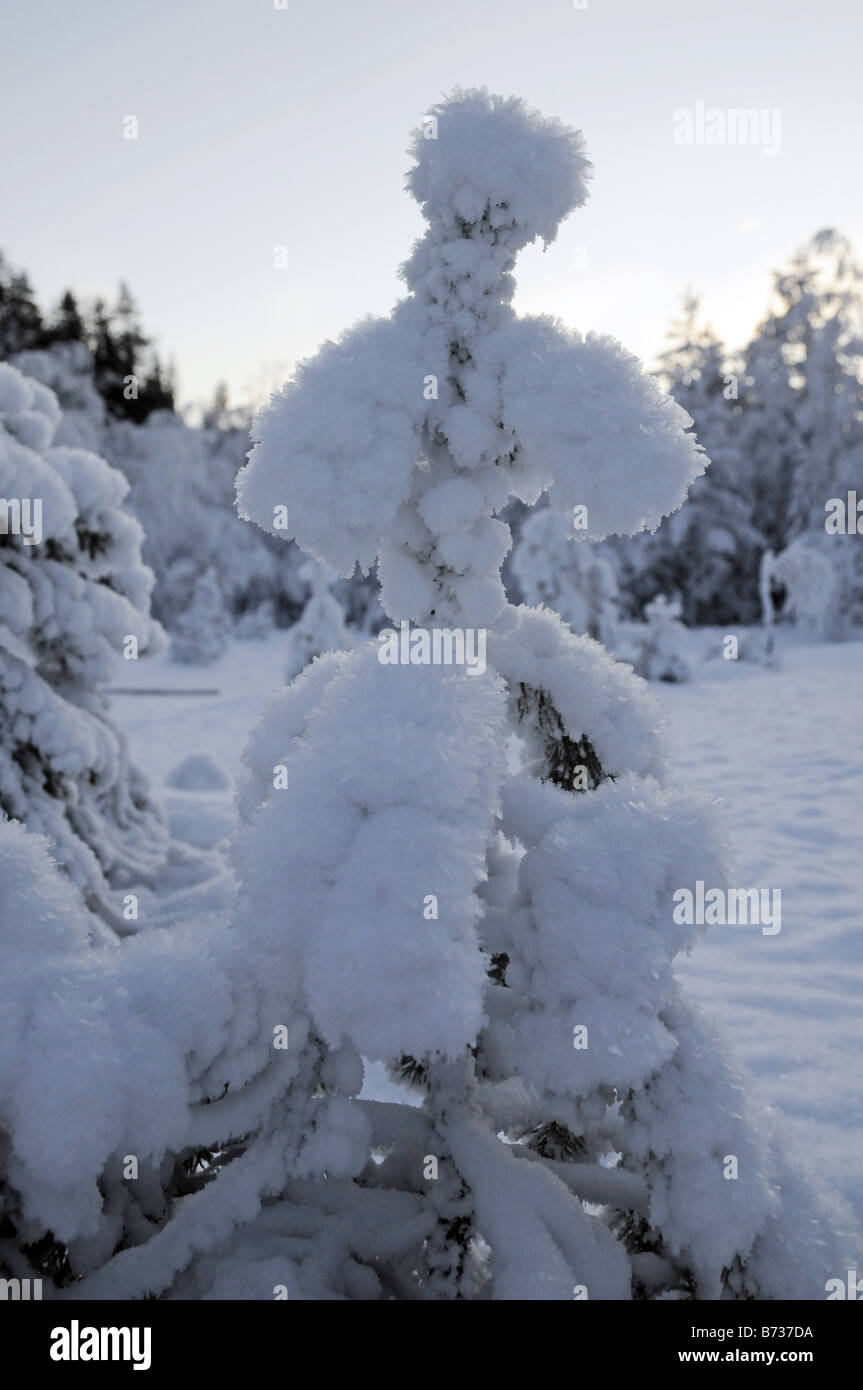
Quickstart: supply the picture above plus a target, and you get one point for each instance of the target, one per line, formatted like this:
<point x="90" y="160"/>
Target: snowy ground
<point x="783" y="750"/>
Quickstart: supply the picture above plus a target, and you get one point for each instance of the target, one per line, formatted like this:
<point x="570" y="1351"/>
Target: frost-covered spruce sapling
<point x="554" y="568"/>
<point x="321" y="626"/>
<point x="808" y="574"/>
<point x="501" y="937"/>
<point x="74" y="598"/>
<point x="201" y="633"/>
<point x="659" y="642"/>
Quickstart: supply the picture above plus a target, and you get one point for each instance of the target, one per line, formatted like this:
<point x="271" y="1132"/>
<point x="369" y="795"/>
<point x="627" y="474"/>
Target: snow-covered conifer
<point x="808" y="574"/>
<point x="801" y="422"/>
<point x="659" y="641"/>
<point x="202" y="632"/>
<point x="708" y="551"/>
<point x="502" y="940"/>
<point x="321" y="626"/>
<point x="74" y="600"/>
<point x="553" y="568"/>
<point x="463" y="869"/>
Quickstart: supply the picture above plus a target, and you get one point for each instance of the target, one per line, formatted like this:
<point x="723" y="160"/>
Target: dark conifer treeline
<point x="127" y="373"/>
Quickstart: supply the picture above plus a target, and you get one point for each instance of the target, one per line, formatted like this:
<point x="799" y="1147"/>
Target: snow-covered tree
<point x="807" y="574"/>
<point x="819" y="322"/>
<point x="321" y="626"/>
<point x="465" y="873"/>
<point x="707" y="552"/>
<point x="182" y="491"/>
<point x="201" y="634"/>
<point x="801" y="418"/>
<point x="108" y="1127"/>
<point x="768" y="430"/>
<point x="67" y="368"/>
<point x="74" y="599"/>
<point x="21" y="323"/>
<point x="503" y="940"/>
<point x="655" y="648"/>
<point x="554" y="568"/>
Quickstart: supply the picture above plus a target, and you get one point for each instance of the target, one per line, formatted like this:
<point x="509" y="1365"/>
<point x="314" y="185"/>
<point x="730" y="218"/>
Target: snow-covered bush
<point x="181" y="491"/>
<point x="808" y="571"/>
<point x="321" y="626"/>
<point x="182" y="485"/>
<point x="202" y="632"/>
<point x="504" y="941"/>
<point x="199" y="773"/>
<point x="67" y="368"/>
<point x="74" y="598"/>
<point x="555" y="568"/>
<point x="655" y="647"/>
<point x="106" y="1132"/>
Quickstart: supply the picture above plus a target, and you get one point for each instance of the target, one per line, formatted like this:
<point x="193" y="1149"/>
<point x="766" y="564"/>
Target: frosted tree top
<point x="402" y="440"/>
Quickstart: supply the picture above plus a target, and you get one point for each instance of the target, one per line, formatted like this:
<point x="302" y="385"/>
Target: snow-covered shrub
<point x="255" y="624"/>
<point x="321" y="626"/>
<point x="182" y="490"/>
<point x="655" y="647"/>
<point x="202" y="632"/>
<point x="503" y="941"/>
<point x="821" y="578"/>
<point x="105" y="1134"/>
<point x="67" y="368"/>
<point x="199" y="773"/>
<point x="74" y="598"/>
<point x="553" y="567"/>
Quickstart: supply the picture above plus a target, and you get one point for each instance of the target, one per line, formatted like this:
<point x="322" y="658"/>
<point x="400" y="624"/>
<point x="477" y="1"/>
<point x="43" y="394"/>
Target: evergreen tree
<point x="106" y="361"/>
<point x="21" y="324"/>
<point x="202" y="631"/>
<point x="820" y="321"/>
<point x="553" y="567"/>
<point x="801" y="422"/>
<point x="218" y="415"/>
<point x="658" y="655"/>
<point x="707" y="553"/>
<point x="67" y="325"/>
<point x="321" y="626"/>
<point x="131" y="389"/>
<point x="75" y="596"/>
<point x="768" y="432"/>
<point x="129" y="345"/>
<point x="500" y="956"/>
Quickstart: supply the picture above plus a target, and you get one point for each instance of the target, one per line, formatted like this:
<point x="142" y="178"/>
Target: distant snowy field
<point x="782" y="749"/>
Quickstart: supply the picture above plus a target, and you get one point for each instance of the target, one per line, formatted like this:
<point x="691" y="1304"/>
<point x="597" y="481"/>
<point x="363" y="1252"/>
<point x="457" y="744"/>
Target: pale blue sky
<point x="261" y="127"/>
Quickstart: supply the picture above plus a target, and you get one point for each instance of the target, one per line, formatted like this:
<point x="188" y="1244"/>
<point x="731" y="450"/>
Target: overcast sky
<point x="261" y="127"/>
